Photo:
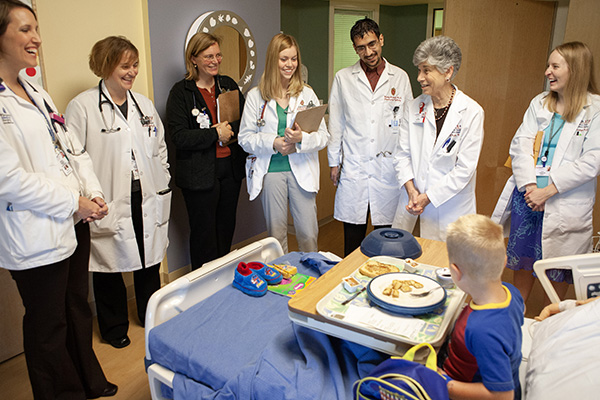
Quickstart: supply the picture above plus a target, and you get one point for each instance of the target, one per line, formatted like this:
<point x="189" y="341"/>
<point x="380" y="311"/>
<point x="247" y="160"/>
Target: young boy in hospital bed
<point x="565" y="352"/>
<point x="484" y="351"/>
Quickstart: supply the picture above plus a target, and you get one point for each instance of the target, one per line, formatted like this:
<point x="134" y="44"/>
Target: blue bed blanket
<point x="233" y="346"/>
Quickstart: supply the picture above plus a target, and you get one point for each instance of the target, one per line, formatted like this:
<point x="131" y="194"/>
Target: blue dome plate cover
<point x="391" y="242"/>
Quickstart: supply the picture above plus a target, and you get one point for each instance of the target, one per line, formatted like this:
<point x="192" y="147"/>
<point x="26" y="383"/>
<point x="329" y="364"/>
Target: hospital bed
<point x="206" y="339"/>
<point x="183" y="293"/>
<point x="555" y="344"/>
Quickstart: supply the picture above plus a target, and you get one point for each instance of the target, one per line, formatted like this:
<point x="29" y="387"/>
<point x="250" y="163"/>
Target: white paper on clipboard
<point x="310" y="119"/>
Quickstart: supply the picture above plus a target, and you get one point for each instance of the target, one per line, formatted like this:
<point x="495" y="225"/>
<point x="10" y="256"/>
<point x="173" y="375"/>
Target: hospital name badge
<point x="456" y="130"/>
<point x="7" y="119"/>
<point x="583" y="127"/>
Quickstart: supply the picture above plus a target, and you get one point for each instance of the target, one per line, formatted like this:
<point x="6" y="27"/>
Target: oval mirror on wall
<point x="237" y="44"/>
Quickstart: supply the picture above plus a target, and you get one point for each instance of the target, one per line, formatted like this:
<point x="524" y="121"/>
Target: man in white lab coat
<point x="365" y="109"/>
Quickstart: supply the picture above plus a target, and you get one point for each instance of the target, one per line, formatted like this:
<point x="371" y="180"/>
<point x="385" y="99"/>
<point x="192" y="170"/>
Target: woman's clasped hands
<point x="536" y="197"/>
<point x="287" y="144"/>
<point x="416" y="201"/>
<point x="293" y="134"/>
<point x="224" y="131"/>
<point x="92" y="210"/>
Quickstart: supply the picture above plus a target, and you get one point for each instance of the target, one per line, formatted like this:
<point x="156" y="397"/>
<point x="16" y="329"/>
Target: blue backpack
<point x="400" y="378"/>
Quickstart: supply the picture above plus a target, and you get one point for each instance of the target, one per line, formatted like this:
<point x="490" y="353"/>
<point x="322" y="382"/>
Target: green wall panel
<point x="308" y="22"/>
<point x="403" y="28"/>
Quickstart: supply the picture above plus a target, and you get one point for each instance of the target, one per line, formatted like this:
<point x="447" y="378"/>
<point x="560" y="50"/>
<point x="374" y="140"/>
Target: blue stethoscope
<point x="55" y="119"/>
<point x="144" y="119"/>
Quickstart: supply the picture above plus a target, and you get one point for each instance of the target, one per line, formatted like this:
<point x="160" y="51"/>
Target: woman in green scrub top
<point x="283" y="161"/>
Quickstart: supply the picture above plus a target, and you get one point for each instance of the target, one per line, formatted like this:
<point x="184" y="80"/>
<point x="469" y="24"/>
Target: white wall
<point x="70" y="28"/>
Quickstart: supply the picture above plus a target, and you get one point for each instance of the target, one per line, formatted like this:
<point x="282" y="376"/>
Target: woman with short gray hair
<point x="441" y="52"/>
<point x="440" y="140"/>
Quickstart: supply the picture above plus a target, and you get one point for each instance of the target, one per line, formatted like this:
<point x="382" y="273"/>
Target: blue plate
<point x="405" y="303"/>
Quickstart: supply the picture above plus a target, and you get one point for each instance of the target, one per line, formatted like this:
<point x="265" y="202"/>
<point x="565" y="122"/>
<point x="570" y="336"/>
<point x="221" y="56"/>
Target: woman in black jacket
<point x="209" y="161"/>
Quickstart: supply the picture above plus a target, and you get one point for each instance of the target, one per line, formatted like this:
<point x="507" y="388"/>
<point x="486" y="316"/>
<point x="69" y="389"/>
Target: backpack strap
<point x="431" y="362"/>
<point x="417" y="392"/>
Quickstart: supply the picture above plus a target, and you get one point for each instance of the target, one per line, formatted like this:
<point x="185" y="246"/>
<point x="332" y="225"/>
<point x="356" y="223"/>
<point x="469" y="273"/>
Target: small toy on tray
<point x="286" y="270"/>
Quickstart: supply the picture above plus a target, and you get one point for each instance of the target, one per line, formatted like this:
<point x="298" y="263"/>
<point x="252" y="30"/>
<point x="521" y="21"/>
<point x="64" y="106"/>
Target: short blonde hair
<point x="475" y="244"/>
<point x="197" y="44"/>
<point x="107" y="53"/>
<point x="270" y="81"/>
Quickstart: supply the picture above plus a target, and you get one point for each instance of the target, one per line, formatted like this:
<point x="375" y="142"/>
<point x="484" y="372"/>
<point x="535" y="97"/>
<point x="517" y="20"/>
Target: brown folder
<point x="228" y="106"/>
<point x="309" y="120"/>
<point x="536" y="149"/>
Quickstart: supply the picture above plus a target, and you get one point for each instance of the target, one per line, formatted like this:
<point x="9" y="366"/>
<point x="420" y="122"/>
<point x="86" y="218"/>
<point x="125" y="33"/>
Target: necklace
<point x="445" y="109"/>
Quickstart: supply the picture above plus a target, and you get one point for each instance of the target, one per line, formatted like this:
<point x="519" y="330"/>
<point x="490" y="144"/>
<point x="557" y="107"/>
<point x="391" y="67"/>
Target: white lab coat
<point x="364" y="130"/>
<point x="567" y="225"/>
<point x="37" y="200"/>
<point x="447" y="177"/>
<point x="114" y="247"/>
<point x="258" y="141"/>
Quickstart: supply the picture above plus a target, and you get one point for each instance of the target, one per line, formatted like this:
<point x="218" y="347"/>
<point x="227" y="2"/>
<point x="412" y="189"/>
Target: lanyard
<point x="51" y="128"/>
<point x="553" y="133"/>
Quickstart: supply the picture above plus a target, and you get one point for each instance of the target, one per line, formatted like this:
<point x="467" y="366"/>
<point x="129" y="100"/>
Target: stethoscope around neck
<point x="144" y="119"/>
<point x="260" y="122"/>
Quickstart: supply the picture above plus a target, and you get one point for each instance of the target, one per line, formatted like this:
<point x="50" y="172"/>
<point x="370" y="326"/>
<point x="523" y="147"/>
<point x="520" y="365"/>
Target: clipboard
<point x="310" y="119"/>
<point x="228" y="106"/>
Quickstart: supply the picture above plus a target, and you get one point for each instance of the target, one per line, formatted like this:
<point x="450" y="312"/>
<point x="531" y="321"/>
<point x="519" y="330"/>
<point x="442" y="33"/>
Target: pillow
<point x="564" y="362"/>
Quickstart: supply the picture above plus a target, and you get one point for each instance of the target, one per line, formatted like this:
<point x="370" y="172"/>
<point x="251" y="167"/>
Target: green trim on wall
<point x="308" y="22"/>
<point x="403" y="29"/>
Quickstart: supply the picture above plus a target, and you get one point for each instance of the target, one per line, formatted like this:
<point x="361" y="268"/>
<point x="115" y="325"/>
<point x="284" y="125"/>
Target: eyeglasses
<point x="212" y="57"/>
<point x="371" y="45"/>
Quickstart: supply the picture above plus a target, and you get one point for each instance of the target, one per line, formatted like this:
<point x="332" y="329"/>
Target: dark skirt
<point x="525" y="241"/>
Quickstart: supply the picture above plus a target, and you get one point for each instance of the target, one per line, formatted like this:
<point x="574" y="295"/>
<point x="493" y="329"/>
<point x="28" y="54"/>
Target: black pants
<point x="57" y="327"/>
<point x="354" y="235"/>
<point x="109" y="289"/>
<point x="212" y="215"/>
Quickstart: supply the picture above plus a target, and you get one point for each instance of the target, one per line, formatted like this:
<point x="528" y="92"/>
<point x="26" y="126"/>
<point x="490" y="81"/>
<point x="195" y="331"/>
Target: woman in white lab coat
<point x="283" y="165"/>
<point x="550" y="198"/>
<point x="46" y="185"/>
<point x="124" y="136"/>
<point x="441" y="134"/>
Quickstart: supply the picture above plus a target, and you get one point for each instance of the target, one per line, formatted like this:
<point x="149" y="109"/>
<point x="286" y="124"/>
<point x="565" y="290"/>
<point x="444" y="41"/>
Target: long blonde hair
<point x="270" y="81"/>
<point x="578" y="57"/>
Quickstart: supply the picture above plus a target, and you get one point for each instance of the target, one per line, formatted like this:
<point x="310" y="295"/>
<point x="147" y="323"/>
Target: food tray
<point x="432" y="327"/>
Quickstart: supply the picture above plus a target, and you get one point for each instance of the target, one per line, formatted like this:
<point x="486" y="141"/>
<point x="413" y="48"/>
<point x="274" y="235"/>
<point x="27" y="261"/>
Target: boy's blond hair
<point x="476" y="245"/>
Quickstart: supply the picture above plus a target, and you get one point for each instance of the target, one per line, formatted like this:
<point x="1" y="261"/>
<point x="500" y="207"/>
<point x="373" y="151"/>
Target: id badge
<point x="395" y="125"/>
<point x="63" y="161"/>
<point x="134" y="168"/>
<point x="203" y="121"/>
<point x="540" y="170"/>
